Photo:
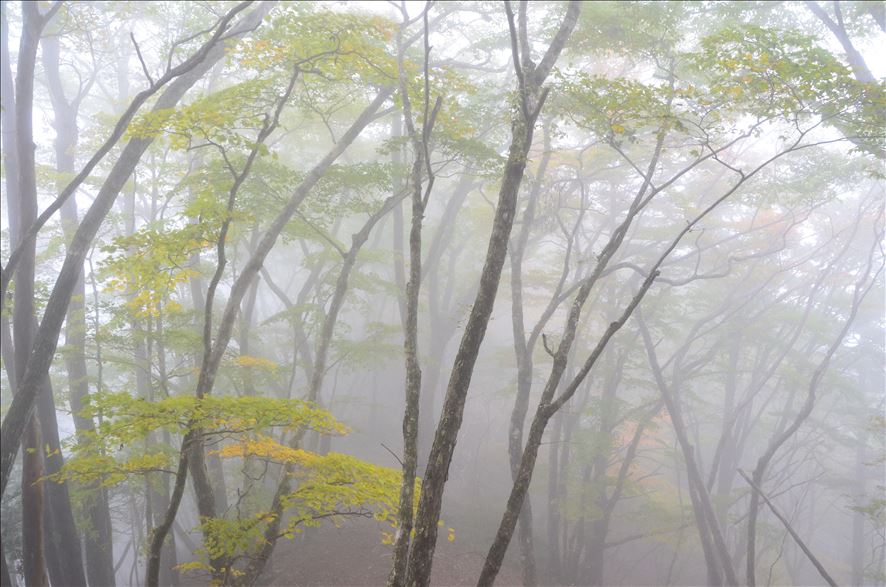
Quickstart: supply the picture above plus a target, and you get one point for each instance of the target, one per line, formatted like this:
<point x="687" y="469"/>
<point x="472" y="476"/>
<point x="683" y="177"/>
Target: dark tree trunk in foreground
<point x="446" y="436"/>
<point x="421" y="163"/>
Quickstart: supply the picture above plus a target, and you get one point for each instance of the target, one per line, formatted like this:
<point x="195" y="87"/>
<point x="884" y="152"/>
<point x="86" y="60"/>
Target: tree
<point x="306" y="221"/>
<point x="531" y="98"/>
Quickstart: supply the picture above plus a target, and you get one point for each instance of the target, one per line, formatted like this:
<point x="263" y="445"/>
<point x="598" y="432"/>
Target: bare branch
<point x="815" y="562"/>
<point x="141" y="59"/>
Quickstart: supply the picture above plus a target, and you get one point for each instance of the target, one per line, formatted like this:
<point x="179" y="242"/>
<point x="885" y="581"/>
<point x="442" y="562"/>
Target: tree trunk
<point x="197" y="288"/>
<point x="460" y="379"/>
<point x="858" y="518"/>
<point x="523" y="350"/>
<point x="411" y="410"/>
<point x="705" y="514"/>
<point x="160" y="487"/>
<point x="10" y="160"/>
<point x="33" y="511"/>
<point x="33" y="554"/>
<point x="62" y="540"/>
<point x="98" y="537"/>
<point x="553" y="506"/>
<point x="531" y="101"/>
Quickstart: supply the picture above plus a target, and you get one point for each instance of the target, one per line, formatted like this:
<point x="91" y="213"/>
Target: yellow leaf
<point x="249" y="361"/>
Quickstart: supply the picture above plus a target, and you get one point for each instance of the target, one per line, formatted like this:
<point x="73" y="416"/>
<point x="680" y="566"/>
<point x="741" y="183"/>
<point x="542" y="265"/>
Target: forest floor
<point x="354" y="555"/>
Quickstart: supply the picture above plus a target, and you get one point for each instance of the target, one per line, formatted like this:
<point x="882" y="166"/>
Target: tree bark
<point x="33" y="504"/>
<point x="411" y="411"/>
<point x="531" y="101"/>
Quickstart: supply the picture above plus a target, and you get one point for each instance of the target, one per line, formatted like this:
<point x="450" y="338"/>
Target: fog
<point x="447" y="293"/>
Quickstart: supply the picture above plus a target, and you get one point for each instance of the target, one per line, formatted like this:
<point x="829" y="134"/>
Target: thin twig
<point x="393" y="454"/>
<point x="141" y="59"/>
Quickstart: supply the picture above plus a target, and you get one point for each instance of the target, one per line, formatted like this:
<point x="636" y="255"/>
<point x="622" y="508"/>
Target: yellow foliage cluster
<point x="267" y="448"/>
<point x="257" y="362"/>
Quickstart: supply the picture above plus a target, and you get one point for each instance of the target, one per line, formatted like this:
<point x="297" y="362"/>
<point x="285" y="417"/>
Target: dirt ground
<point x="354" y="555"/>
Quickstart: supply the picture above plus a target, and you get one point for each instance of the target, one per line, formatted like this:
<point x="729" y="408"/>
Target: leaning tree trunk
<point x="531" y="100"/>
<point x="523" y="350"/>
<point x="453" y="407"/>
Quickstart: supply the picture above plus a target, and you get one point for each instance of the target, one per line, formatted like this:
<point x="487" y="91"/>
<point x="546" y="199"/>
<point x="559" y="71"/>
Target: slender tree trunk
<point x="523" y="350"/>
<point x="553" y="506"/>
<point x="247" y="317"/>
<point x="10" y="160"/>
<point x="64" y="558"/>
<point x="160" y="485"/>
<point x="548" y="405"/>
<point x="858" y="518"/>
<point x="33" y="510"/>
<point x="197" y="288"/>
<point x="532" y="99"/>
<point x="453" y="407"/>
<point x="600" y="525"/>
<point x="98" y="537"/>
<point x="396" y="187"/>
<point x="705" y="514"/>
<point x="712" y="563"/>
<point x="815" y="562"/>
<point x="411" y="411"/>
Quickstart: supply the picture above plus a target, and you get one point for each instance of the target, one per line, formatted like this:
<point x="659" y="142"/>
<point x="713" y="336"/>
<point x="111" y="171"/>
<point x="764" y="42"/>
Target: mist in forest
<point x="443" y="293"/>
